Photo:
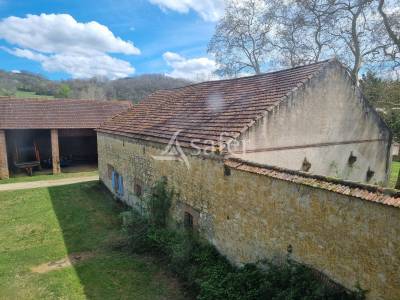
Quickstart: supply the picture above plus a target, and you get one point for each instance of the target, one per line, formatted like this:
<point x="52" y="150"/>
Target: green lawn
<point x="394" y="173"/>
<point x="47" y="176"/>
<point x="45" y="225"/>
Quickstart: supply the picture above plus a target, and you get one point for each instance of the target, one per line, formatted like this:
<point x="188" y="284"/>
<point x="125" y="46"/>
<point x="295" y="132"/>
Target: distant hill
<point x="132" y="88"/>
<point x="11" y="83"/>
<point x="26" y="84"/>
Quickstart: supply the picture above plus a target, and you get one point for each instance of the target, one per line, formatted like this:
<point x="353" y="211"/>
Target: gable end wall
<point x="323" y="121"/>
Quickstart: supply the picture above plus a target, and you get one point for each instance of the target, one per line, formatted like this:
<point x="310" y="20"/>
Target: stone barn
<point x="35" y="132"/>
<point x="312" y="119"/>
<point x="252" y="161"/>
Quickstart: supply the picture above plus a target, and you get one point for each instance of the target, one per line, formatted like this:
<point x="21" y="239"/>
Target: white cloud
<point x="79" y="66"/>
<point x="62" y="33"/>
<point x="60" y="43"/>
<point x="209" y="10"/>
<point x="195" y="69"/>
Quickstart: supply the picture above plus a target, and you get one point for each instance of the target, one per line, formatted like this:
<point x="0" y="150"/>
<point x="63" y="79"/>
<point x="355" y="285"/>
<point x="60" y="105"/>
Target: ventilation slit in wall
<point x="227" y="171"/>
<point x="306" y="165"/>
<point x="370" y="174"/>
<point x="352" y="159"/>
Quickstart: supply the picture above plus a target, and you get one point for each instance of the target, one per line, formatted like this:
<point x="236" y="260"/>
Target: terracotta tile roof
<point x="203" y="111"/>
<point x="58" y="113"/>
<point x="362" y="191"/>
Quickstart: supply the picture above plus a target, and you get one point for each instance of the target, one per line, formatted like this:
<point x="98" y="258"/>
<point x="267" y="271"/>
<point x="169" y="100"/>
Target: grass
<point x="44" y="225"/>
<point x="23" y="94"/>
<point x="394" y="173"/>
<point x="47" y="175"/>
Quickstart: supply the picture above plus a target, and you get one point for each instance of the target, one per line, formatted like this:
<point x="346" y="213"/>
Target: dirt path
<point x="68" y="261"/>
<point x="45" y="183"/>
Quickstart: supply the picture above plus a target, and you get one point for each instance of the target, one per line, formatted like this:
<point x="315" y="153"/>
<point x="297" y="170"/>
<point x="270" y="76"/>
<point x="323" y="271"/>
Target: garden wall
<point x="250" y="216"/>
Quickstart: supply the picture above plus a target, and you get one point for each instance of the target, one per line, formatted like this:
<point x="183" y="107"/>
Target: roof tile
<point x="206" y="110"/>
<point x="58" y="113"/>
<point x="361" y="191"/>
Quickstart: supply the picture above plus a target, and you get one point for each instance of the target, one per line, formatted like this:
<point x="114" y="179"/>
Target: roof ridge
<point x="326" y="61"/>
<point x="65" y="99"/>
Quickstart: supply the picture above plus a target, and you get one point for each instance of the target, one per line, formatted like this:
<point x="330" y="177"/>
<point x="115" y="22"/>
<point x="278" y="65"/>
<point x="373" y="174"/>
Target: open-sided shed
<point x="37" y="132"/>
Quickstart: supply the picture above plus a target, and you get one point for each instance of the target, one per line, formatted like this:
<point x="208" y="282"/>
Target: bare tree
<point x="305" y="30"/>
<point x="297" y="32"/>
<point x="319" y="16"/>
<point x="355" y="42"/>
<point x="312" y="30"/>
<point x="240" y="41"/>
<point x="391" y="25"/>
<point x="288" y="43"/>
<point x="302" y="35"/>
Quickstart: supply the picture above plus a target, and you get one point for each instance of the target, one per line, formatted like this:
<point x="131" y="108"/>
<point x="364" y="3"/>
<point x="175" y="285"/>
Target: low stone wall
<point x="249" y="217"/>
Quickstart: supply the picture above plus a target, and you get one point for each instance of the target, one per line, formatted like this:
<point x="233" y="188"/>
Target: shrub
<point x="209" y="275"/>
<point x="137" y="229"/>
<point x="159" y="203"/>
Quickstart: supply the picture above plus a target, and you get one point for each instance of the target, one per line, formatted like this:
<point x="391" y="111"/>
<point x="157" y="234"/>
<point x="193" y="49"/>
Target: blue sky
<point x="172" y="37"/>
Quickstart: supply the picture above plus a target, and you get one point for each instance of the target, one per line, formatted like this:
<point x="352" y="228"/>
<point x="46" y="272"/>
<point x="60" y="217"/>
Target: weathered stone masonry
<point x="249" y="216"/>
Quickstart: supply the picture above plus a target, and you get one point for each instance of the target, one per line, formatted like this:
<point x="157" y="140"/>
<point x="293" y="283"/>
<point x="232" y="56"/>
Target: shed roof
<point x="204" y="111"/>
<point x="57" y="114"/>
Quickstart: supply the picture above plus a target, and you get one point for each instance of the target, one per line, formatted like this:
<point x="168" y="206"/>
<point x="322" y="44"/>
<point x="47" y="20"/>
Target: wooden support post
<point x="55" y="152"/>
<point x="4" y="173"/>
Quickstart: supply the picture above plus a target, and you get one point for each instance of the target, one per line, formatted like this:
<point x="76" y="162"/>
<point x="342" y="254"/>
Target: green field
<point x="42" y="226"/>
<point x="23" y="94"/>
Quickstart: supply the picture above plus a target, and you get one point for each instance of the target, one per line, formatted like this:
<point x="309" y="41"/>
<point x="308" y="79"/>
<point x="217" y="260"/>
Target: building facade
<point x="349" y="233"/>
<point x="244" y="159"/>
<point x="311" y="118"/>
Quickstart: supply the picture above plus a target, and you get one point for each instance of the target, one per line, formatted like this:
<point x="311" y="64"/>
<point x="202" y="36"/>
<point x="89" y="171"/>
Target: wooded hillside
<point x="133" y="88"/>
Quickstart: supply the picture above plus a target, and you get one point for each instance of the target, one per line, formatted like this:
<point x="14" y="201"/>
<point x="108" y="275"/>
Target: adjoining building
<point x="35" y="132"/>
<point x="251" y="162"/>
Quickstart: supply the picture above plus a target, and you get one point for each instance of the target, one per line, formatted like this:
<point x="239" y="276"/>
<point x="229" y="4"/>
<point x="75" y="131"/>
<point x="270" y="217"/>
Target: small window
<point x="138" y="187"/>
<point x="117" y="183"/>
<point x="227" y="171"/>
<point x="120" y="185"/>
<point x="138" y="190"/>
<point x="110" y="170"/>
<point x="188" y="220"/>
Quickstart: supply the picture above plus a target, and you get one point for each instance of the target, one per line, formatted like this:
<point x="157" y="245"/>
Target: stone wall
<point x="325" y="122"/>
<point x="249" y="217"/>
